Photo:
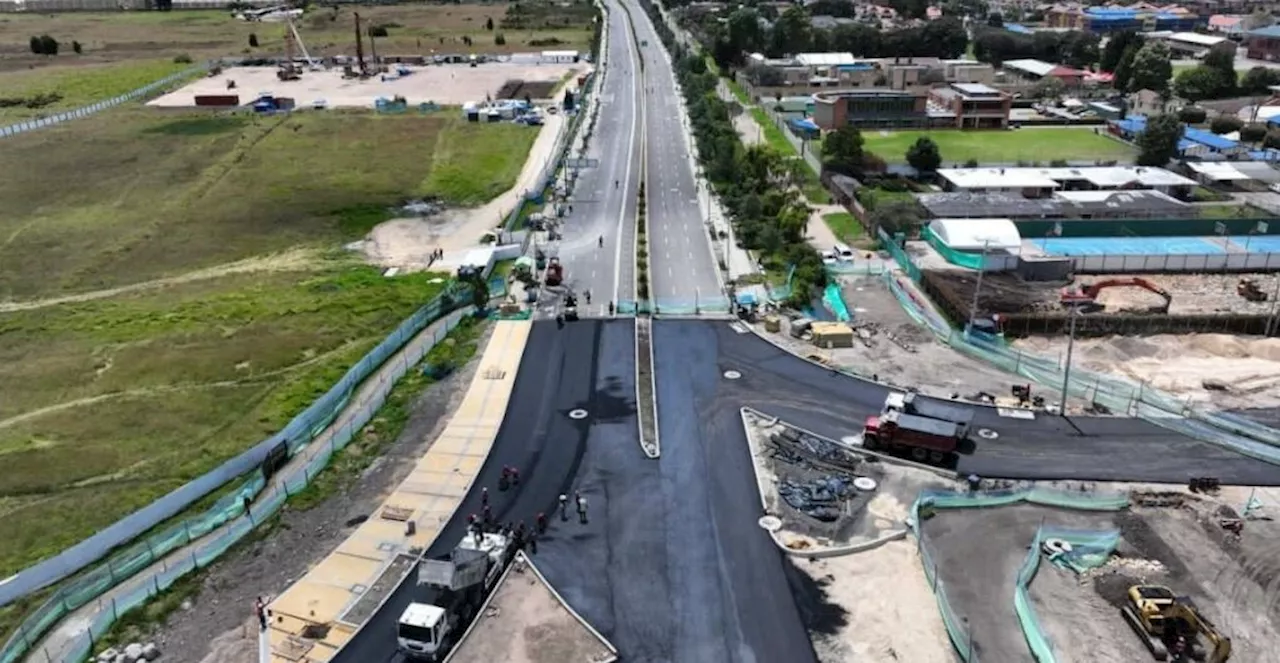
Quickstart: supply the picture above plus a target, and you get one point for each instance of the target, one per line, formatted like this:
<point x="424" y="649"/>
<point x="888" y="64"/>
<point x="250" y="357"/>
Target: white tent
<point x="975" y="234"/>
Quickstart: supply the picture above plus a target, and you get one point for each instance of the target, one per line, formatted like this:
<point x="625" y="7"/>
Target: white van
<point x="843" y="252"/>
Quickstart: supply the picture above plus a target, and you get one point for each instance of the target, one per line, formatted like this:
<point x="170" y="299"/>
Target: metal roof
<point x="977" y="234"/>
<point x="1195" y="38"/>
<point x="1051" y="178"/>
<point x="825" y="59"/>
<point x="1029" y="66"/>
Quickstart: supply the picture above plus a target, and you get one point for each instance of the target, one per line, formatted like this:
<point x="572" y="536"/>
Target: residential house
<point x="1148" y="103"/>
<point x="1194" y="44"/>
<point x="1263" y="43"/>
<point x="1141" y="17"/>
<point x="1035" y="70"/>
<point x="1231" y="27"/>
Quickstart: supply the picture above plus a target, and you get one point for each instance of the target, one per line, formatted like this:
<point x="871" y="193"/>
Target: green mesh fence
<point x="212" y="533"/>
<point x="1088" y="549"/>
<point x="1117" y="394"/>
<point x="962" y="638"/>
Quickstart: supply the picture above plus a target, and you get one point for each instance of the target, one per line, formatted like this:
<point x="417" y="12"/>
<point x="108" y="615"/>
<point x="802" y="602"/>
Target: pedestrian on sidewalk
<point x="582" y="508"/>
<point x="247" y="501"/>
<point x="260" y="607"/>
<point x="564" y="507"/>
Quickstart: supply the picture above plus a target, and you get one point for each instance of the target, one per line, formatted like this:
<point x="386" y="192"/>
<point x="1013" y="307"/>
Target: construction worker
<point x="610" y="308"/>
<point x="515" y="476"/>
<point x="484" y="496"/>
<point x="542" y="522"/>
<point x="587" y="293"/>
<point x="488" y="516"/>
<point x="471" y="520"/>
<point x="600" y="241"/>
<point x="533" y="543"/>
<point x="582" y="508"/>
<point x="564" y="507"/>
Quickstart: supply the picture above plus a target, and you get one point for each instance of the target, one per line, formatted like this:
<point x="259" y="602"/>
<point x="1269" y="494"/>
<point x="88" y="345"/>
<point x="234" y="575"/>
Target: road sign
<point x="1262" y="228"/>
<point x="581" y="163"/>
<point x="1220" y="228"/>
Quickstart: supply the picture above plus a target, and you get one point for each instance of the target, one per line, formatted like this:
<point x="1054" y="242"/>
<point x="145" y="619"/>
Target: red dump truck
<point x="925" y="440"/>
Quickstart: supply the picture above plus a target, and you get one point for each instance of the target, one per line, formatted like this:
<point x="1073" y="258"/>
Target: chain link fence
<point x="300" y="432"/>
<point x="85" y="111"/>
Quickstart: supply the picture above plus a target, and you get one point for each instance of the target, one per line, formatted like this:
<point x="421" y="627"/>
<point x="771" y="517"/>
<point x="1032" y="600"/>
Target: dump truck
<point x="925" y="440"/>
<point x="459" y="584"/>
<point x="912" y="403"/>
<point x="555" y="272"/>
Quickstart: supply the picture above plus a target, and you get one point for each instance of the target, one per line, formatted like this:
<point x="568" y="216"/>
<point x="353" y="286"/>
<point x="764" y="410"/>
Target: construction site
<point x="390" y="83"/>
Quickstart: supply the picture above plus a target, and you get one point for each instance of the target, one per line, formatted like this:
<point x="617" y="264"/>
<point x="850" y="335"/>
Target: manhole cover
<point x="578" y="414"/>
<point x="865" y="484"/>
<point x="770" y="523"/>
<point x="987" y="433"/>
<point x="732" y="375"/>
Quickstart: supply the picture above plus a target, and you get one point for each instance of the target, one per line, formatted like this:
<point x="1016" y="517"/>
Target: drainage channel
<point x="646" y="391"/>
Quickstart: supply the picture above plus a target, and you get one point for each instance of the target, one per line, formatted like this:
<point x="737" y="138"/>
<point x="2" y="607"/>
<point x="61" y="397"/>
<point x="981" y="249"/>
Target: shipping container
<point x="217" y="100"/>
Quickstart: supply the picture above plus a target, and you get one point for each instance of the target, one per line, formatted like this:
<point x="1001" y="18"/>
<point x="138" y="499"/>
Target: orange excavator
<point x="1086" y="296"/>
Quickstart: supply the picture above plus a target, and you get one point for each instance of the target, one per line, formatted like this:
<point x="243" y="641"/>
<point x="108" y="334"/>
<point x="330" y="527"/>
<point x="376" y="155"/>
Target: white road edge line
<point x="631" y="149"/>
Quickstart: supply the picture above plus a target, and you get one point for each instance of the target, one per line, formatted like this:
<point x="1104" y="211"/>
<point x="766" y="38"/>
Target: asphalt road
<point x="1048" y="447"/>
<point x="604" y="198"/>
<point x="683" y="271"/>
<point x="562" y="370"/>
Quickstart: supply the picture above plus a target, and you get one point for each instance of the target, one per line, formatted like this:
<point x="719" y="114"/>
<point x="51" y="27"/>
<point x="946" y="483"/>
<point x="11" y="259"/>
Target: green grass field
<point x="77" y="86"/>
<point x="117" y="401"/>
<point x="1038" y="145"/>
<point x="845" y="226"/>
<point x="137" y="195"/>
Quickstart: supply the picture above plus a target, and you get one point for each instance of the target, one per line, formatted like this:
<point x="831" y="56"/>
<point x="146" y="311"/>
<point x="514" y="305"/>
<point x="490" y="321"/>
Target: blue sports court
<point x="1146" y="246"/>
<point x="1258" y="243"/>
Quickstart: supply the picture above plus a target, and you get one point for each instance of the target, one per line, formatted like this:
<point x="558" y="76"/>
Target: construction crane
<point x="1171" y="625"/>
<point x="312" y="64"/>
<point x="1086" y="296"/>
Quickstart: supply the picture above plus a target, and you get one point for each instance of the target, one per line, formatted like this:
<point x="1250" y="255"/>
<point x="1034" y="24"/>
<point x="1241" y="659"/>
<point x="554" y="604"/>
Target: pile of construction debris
<point x="867" y="330"/>
<point x="793" y="446"/>
<point x="132" y="653"/>
<point x="819" y="497"/>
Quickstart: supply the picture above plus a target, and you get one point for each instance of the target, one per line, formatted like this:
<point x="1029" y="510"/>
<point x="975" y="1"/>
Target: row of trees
<point x="758" y="187"/>
<point x="792" y="32"/>
<point x="995" y="45"/>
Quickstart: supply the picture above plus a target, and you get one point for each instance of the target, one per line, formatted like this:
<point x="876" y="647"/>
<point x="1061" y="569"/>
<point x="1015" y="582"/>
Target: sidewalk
<point x="69" y="636"/>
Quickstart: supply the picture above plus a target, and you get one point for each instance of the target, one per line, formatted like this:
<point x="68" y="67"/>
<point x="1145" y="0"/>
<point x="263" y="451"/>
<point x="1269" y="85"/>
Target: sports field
<point x="1038" y="145"/>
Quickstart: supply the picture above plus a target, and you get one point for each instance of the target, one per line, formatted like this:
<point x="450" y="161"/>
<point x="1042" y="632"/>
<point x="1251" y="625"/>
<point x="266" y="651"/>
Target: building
<point x="1128" y="204"/>
<point x="1193" y="44"/>
<point x="973" y="105"/>
<point x="1035" y="70"/>
<point x="560" y="57"/>
<point x="993" y="244"/>
<point x="1141" y="17"/>
<point x="1148" y="102"/>
<point x="1227" y="25"/>
<point x="1263" y="43"/>
<point x="870" y="109"/>
<point x="1042" y="182"/>
<point x="912" y="72"/>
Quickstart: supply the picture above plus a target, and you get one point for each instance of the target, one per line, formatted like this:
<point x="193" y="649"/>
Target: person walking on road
<point x="484" y="496"/>
<point x="564" y="507"/>
<point x="582" y="508"/>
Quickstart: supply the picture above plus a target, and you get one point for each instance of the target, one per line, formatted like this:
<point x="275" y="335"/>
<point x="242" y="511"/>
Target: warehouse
<point x="1041" y="182"/>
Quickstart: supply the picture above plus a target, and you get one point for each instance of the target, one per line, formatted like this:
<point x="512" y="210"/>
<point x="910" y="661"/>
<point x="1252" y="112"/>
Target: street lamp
<point x="977" y="289"/>
<point x="1073" y="300"/>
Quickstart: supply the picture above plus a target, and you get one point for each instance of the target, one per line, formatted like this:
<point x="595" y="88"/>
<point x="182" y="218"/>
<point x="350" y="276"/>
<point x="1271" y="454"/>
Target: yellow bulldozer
<point x="1171" y="626"/>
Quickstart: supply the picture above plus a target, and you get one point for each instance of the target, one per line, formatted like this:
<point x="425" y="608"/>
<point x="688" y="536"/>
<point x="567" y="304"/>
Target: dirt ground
<point x="407" y="243"/>
<point x="1232" y="581"/>
<point x="216" y="626"/>
<point x="929" y="366"/>
<point x="446" y="85"/>
<point x="525" y="623"/>
<point x="1241" y="371"/>
<point x="889" y="610"/>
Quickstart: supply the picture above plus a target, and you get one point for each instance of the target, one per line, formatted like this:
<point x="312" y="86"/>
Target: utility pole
<point x="1073" y="300"/>
<point x="977" y="289"/>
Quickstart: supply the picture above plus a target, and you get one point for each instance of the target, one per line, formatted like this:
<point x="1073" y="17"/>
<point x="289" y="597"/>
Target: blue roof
<point x="1269" y="31"/>
<point x="1133" y="124"/>
<point x="1209" y="138"/>
<point x="804" y="123"/>
<point x="1184" y="144"/>
<point x="1019" y="29"/>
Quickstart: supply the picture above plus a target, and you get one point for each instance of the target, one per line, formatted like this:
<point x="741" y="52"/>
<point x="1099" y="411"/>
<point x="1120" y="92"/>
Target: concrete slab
<point x="309" y="600"/>
<point x="344" y="571"/>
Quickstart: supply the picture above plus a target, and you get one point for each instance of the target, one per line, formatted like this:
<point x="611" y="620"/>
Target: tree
<point x="1200" y="83"/>
<point x="995" y="20"/>
<point x="1152" y="68"/>
<point x="899" y="216"/>
<point x="1192" y="115"/>
<point x="842" y="151"/>
<point x="1253" y="133"/>
<point x="792" y="33"/>
<point x="499" y="39"/>
<point x="1258" y="79"/>
<point x="743" y="34"/>
<point x="48" y="45"/>
<point x="488" y="24"/>
<point x="923" y="155"/>
<point x="36" y="46"/>
<point x="1158" y="143"/>
<point x="1115" y="49"/>
<point x="1225" y="124"/>
<point x="1123" y="73"/>
<point x="1222" y="60"/>
<point x="479" y="288"/>
<point x="75" y="46"/>
<point x="1048" y="88"/>
<point x="253" y="40"/>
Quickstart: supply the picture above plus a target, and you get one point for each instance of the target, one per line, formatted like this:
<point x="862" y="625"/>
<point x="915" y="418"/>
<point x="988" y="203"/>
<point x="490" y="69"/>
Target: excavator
<point x="1171" y="626"/>
<point x="1086" y="296"/>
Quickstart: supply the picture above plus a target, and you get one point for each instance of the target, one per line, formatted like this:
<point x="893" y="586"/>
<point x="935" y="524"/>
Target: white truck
<point x="428" y="631"/>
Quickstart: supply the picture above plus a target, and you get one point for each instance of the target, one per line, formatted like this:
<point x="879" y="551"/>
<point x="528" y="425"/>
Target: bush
<point x="1192" y="115"/>
<point x="75" y="46"/>
<point x="377" y="31"/>
<point x="182" y="58"/>
<point x="971" y="163"/>
<point x="1252" y="133"/>
<point x="499" y="40"/>
<point x="1225" y="124"/>
<point x="1272" y="140"/>
<point x="253" y="40"/>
